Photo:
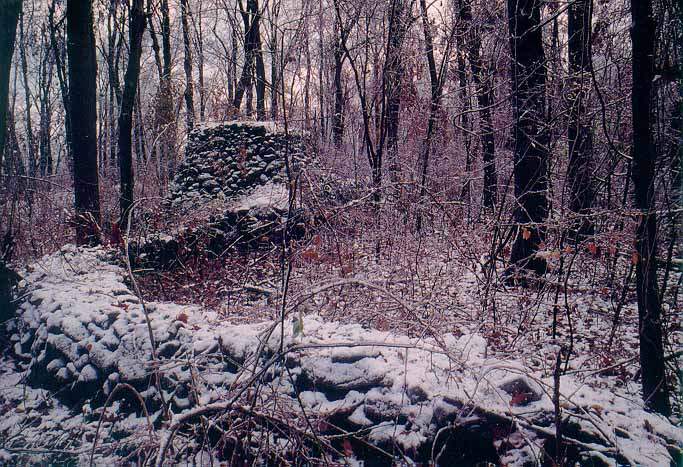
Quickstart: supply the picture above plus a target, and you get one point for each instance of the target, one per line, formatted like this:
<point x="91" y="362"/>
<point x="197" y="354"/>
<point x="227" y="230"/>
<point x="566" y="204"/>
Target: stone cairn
<point x="234" y="176"/>
<point x="227" y="160"/>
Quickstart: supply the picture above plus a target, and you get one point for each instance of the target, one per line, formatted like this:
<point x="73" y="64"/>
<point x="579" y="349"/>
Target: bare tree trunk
<point x="655" y="388"/>
<point x="60" y="67"/>
<point x="466" y="125"/>
<point x="274" y="62"/>
<point x="15" y="159"/>
<point x="260" y="69"/>
<point x="140" y="151"/>
<point x="200" y="63"/>
<point x="30" y="139"/>
<point x="155" y="44"/>
<point x="167" y="122"/>
<point x="83" y="113"/>
<point x="531" y="133"/>
<point x="338" y="117"/>
<point x="250" y="20"/>
<point x="9" y="18"/>
<point x="108" y="110"/>
<point x="130" y="83"/>
<point x="579" y="133"/>
<point x="306" y="46"/>
<point x="484" y="93"/>
<point x="187" y="65"/>
<point x="436" y="79"/>
<point x="115" y="19"/>
<point x="45" y="86"/>
<point x="392" y="82"/>
<point x="232" y="78"/>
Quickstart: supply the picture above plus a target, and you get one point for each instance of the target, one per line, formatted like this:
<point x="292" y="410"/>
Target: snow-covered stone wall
<point x="81" y="331"/>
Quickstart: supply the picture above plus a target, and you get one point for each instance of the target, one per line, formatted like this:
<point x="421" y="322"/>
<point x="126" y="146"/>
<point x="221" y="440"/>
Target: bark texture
<point x="130" y="84"/>
<point x="655" y="389"/>
<point x="530" y="131"/>
<point x="83" y="114"/>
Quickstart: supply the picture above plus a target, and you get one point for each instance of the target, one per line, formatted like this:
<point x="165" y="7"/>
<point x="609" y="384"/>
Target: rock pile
<point x="84" y="341"/>
<point x="232" y="187"/>
<point x="81" y="330"/>
<point x="225" y="160"/>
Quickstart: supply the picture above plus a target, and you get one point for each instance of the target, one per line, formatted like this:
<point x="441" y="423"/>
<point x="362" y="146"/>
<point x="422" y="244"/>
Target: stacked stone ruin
<point x="235" y="175"/>
<point x="226" y="160"/>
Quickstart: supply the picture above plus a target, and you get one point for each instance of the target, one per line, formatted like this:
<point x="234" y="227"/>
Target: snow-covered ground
<point x="81" y="333"/>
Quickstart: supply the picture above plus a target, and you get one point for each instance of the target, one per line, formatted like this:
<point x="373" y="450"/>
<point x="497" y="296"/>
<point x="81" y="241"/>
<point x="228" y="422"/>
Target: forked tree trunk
<point x="130" y="83"/>
<point x="436" y="78"/>
<point x="530" y="130"/>
<point x="250" y="18"/>
<point x="655" y="388"/>
<point x="83" y="113"/>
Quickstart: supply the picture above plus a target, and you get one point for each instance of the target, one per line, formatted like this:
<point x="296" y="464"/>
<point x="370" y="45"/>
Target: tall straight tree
<point x="10" y="10"/>
<point x="83" y="113"/>
<point x="531" y="133"/>
<point x="482" y="81"/>
<point x="579" y="134"/>
<point x="655" y="389"/>
<point x="9" y="17"/>
<point x="28" y="98"/>
<point x="130" y="84"/>
<point x="187" y="65"/>
<point x="165" y="112"/>
<point x="45" y="74"/>
<point x="60" y="68"/>
<point x="392" y="78"/>
<point x="342" y="32"/>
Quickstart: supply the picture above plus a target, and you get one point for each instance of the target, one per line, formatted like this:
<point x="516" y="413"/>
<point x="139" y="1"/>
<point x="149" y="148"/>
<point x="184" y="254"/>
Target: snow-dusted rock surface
<point x="231" y="190"/>
<point x="80" y="332"/>
<point x="224" y="160"/>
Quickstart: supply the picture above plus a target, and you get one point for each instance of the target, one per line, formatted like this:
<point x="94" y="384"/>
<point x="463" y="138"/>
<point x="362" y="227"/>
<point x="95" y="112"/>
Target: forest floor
<point x="436" y="289"/>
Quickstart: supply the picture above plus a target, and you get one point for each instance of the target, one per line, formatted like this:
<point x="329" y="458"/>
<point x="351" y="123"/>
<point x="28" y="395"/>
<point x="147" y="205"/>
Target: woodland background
<point x="538" y="143"/>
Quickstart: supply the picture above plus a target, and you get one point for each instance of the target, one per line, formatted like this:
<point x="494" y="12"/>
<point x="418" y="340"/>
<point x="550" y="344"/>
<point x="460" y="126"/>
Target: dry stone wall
<point x="226" y="160"/>
<point x="80" y="331"/>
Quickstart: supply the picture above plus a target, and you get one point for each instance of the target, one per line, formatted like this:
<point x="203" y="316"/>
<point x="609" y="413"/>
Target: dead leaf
<point x="348" y="448"/>
<point x="317" y="240"/>
<point x="592" y="247"/>
<point x="311" y="254"/>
